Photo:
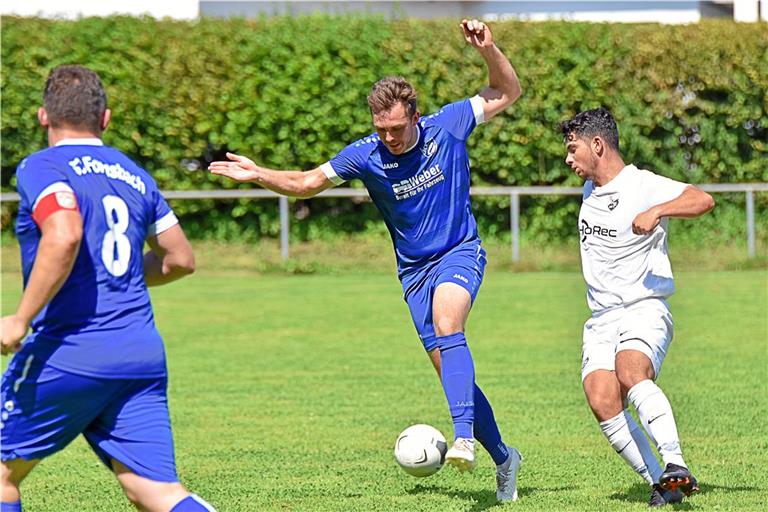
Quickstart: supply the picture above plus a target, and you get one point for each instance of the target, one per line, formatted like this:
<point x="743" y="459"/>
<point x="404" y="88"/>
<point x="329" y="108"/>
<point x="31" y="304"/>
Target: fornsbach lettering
<point x="85" y="165"/>
<point x="597" y="230"/>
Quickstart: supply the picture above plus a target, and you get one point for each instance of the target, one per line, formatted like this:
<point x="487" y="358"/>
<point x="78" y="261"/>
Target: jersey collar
<point x="617" y="180"/>
<point x="418" y="138"/>
<point x="86" y="141"/>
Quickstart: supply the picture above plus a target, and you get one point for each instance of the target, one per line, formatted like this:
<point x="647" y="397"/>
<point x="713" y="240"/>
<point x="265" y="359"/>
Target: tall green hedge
<point x="691" y="101"/>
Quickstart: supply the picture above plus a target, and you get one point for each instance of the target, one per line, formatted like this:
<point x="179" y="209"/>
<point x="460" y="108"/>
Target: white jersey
<point x="619" y="266"/>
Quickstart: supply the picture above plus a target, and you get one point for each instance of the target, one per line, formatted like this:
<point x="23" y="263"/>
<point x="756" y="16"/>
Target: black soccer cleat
<point x="661" y="496"/>
<point x="678" y="477"/>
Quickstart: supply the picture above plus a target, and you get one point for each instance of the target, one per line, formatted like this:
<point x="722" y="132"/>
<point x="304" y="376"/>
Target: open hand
<point x="239" y="168"/>
<point x="476" y="33"/>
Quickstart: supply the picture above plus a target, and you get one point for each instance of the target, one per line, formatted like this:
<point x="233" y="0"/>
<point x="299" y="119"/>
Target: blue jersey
<point x="100" y="324"/>
<point x="423" y="194"/>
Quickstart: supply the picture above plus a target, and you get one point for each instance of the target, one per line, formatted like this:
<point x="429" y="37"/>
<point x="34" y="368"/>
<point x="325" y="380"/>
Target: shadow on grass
<point x="728" y="488"/>
<point x="532" y="491"/>
<point x="640" y="493"/>
<point x="483" y="500"/>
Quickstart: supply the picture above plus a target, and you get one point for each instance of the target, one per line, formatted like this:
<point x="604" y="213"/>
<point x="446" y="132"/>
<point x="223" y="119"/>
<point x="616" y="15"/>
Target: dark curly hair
<point x="589" y="123"/>
<point x="74" y="98"/>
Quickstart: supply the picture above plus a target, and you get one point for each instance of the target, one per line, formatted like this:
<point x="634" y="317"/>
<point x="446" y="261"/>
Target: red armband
<point x="53" y="199"/>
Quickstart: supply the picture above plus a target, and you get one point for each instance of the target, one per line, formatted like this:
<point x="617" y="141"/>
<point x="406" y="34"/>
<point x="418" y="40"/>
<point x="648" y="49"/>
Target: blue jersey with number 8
<point x="100" y="324"/>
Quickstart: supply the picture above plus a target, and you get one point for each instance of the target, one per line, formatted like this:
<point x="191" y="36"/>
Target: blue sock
<point x="458" y="378"/>
<point x="486" y="430"/>
<point x="10" y="507"/>
<point x="193" y="503"/>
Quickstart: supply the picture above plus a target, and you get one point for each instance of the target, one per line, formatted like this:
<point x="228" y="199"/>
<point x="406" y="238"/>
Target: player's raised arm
<point x="61" y="233"/>
<point x="693" y="202"/>
<point x="503" y="86"/>
<point x="289" y="183"/>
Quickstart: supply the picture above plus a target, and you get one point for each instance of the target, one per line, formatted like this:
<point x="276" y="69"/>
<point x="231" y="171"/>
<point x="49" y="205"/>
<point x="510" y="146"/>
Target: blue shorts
<point x="45" y="409"/>
<point x="464" y="266"/>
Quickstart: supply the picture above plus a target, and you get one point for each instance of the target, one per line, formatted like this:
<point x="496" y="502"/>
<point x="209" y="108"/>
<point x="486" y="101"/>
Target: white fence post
<point x="750" y="224"/>
<point x="514" y="207"/>
<point x="284" y="228"/>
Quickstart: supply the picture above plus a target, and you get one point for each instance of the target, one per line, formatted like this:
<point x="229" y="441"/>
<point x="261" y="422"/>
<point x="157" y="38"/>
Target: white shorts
<point x="645" y="326"/>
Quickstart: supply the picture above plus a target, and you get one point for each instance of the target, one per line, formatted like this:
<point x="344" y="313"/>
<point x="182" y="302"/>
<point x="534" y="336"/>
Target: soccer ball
<point x="420" y="450"/>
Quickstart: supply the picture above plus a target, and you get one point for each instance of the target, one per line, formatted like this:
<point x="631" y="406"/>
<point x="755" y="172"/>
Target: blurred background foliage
<point x="691" y="102"/>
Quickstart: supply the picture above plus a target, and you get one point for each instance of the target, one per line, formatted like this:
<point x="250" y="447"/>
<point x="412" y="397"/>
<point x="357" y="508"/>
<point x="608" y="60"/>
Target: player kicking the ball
<point x="416" y="171"/>
<point x="623" y="233"/>
<point x="94" y="363"/>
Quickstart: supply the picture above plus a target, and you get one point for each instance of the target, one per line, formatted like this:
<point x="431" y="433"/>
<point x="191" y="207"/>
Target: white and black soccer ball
<point x="420" y="450"/>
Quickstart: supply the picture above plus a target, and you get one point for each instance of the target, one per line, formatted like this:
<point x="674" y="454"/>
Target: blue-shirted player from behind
<point x="416" y="171"/>
<point x="94" y="362"/>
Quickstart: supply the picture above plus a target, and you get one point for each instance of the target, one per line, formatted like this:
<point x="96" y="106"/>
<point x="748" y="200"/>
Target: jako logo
<point x="391" y="165"/>
<point x="613" y="204"/>
<point x="586" y="230"/>
<point x="461" y="278"/>
<point x="429" y="148"/>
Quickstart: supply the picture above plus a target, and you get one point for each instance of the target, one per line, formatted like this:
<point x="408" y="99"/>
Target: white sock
<point x="629" y="441"/>
<point x="655" y="412"/>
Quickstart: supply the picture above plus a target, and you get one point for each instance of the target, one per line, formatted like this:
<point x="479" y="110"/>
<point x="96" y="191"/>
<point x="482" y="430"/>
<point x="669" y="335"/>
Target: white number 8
<point x="116" y="247"/>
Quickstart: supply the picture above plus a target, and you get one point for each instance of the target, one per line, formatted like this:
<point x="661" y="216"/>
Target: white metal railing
<point x="514" y="194"/>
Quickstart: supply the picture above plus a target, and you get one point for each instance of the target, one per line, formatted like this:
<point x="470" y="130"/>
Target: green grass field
<point x="288" y="391"/>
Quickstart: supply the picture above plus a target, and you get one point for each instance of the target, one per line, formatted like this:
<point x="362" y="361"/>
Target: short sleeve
<point x="37" y="178"/>
<point x="44" y="189"/>
<point x="164" y="218"/>
<point x="349" y="163"/>
<point x="660" y="189"/>
<point x="460" y="118"/>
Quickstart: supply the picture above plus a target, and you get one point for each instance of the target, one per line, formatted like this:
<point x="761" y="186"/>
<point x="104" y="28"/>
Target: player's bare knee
<point x="605" y="401"/>
<point x="173" y="494"/>
<point x="157" y="497"/>
<point x="446" y="326"/>
<point x="633" y="367"/>
<point x="628" y="378"/>
<point x="133" y="495"/>
<point x="604" y="406"/>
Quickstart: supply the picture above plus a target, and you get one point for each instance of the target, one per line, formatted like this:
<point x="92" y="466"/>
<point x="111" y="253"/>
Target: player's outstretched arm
<point x="693" y="202"/>
<point x="503" y="85"/>
<point x="288" y="183"/>
<point x="59" y="244"/>
<point x="170" y="257"/>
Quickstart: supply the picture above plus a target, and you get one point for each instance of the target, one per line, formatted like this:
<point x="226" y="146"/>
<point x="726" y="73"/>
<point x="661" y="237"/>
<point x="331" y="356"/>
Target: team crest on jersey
<point x="429" y="148"/>
<point x="614" y="203"/>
